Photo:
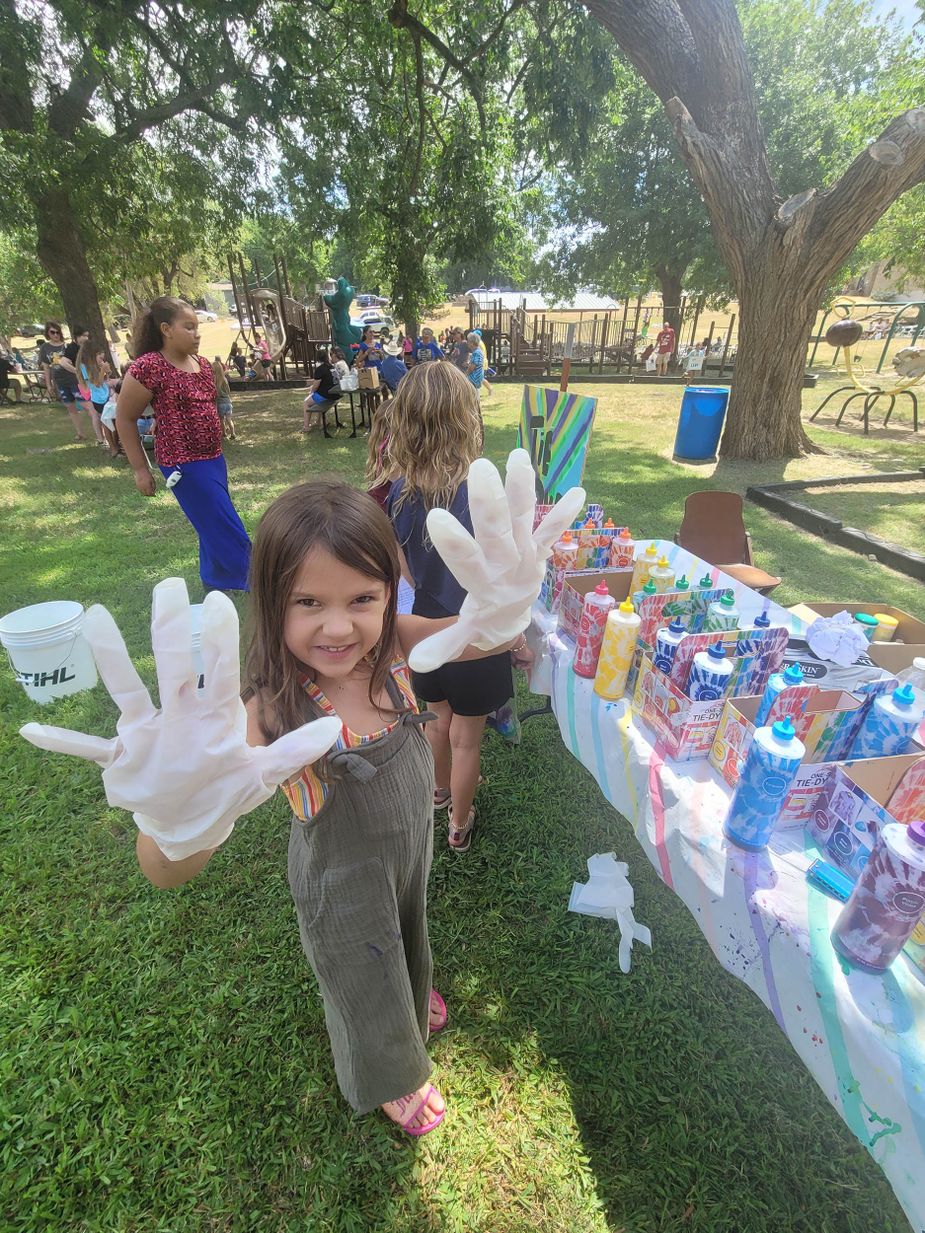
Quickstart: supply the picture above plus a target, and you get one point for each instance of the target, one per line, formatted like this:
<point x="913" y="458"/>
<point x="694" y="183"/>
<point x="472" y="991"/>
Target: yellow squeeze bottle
<point x="644" y="564"/>
<point x="616" y="658"/>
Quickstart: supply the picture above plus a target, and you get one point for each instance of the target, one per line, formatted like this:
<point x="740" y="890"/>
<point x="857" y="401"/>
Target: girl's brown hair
<point x="431" y="432"/>
<point x="87" y="354"/>
<point x="353" y="529"/>
<point x="146" y="332"/>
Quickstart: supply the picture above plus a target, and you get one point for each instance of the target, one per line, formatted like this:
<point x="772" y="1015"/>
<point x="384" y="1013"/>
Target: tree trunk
<point x="63" y="256"/>
<point x="764" y="416"/>
<point x="671" y="286"/>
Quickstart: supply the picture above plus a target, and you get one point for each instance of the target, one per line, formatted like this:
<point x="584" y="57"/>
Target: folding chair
<point x="713" y="529"/>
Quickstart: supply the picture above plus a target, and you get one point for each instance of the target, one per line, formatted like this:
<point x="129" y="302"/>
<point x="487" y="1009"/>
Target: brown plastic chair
<point x="713" y="529"/>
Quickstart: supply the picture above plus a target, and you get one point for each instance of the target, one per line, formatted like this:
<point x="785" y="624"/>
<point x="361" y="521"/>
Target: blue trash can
<point x="703" y="410"/>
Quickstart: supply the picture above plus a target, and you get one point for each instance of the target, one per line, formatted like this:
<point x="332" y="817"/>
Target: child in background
<point x="93" y="366"/>
<point x="434" y="433"/>
<point x="223" y="398"/>
<point x="339" y="364"/>
<point x="169" y="375"/>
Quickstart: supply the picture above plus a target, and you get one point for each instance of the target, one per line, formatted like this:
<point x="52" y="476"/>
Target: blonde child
<point x="434" y="433"/>
<point x="330" y="713"/>
<point x="223" y="398"/>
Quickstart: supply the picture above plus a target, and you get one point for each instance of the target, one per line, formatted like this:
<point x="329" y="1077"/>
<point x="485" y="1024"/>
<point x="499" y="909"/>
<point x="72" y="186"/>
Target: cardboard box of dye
<point x="820" y="717"/>
<point x="577" y="586"/>
<point x="909" y="631"/>
<point x="685" y="727"/>
<point x="859" y="799"/>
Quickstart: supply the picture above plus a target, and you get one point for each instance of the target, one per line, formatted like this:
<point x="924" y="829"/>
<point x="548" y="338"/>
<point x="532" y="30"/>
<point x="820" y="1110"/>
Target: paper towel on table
<point x="836" y="639"/>
<point x="607" y="893"/>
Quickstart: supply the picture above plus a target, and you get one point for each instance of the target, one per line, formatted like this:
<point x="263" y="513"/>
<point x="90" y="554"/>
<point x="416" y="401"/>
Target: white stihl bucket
<point x="46" y="648"/>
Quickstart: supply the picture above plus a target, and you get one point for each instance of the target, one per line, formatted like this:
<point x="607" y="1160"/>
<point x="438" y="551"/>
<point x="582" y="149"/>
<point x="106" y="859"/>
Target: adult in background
<point x="426" y="347"/>
<point x="369" y="349"/>
<point x="459" y="350"/>
<point x="664" y="348"/>
<point x="59" y="366"/>
<point x="323" y="390"/>
<point x="168" y="373"/>
<point x="393" y="367"/>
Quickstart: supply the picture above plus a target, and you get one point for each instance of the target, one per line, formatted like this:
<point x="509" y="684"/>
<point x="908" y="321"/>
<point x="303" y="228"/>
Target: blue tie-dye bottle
<point x="773" y="760"/>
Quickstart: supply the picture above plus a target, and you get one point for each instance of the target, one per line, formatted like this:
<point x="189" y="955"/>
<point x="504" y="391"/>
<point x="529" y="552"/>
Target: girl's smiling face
<point x="334" y="615"/>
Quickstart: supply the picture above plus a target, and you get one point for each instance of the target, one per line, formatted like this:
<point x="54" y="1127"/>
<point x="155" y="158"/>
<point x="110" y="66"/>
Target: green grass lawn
<point x="895" y="512"/>
<point x="165" y="1063"/>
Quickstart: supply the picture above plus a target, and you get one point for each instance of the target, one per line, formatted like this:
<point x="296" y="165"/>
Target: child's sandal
<point x="442" y="798"/>
<point x="460" y="838"/>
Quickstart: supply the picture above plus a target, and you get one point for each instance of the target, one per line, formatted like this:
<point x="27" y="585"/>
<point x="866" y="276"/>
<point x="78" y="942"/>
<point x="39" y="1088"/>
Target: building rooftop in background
<point x="534" y="302"/>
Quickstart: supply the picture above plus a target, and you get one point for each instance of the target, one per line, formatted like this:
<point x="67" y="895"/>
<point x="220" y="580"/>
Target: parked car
<point x="375" y="318"/>
<point x="30" y="331"/>
<point x="371" y="301"/>
<point x="203" y="314"/>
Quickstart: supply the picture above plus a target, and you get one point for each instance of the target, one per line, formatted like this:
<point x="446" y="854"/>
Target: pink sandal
<point x="460" y="837"/>
<point x="438" y="1007"/>
<point x="417" y="1103"/>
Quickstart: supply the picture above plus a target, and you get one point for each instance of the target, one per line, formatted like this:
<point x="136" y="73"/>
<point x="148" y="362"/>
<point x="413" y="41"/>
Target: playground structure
<point x="878" y="319"/>
<point x="909" y="363"/>
<point x="533" y="344"/>
<point x="294" y="331"/>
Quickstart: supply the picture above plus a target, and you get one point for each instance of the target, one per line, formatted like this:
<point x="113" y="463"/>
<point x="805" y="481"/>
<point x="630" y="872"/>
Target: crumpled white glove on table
<point x="501" y="566"/>
<point x="185" y="770"/>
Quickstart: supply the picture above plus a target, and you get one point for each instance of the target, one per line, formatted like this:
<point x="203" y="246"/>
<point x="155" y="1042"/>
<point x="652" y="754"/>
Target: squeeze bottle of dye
<point x="643" y="568"/>
<point x="587" y="543"/>
<point x="591" y="629"/>
<point x="617" y="649"/>
<point x="721" y="614"/>
<point x="762" y="621"/>
<point x="564" y="556"/>
<point x="773" y="760"/>
<point x="622" y="549"/>
<point x="710" y="675"/>
<point x="706" y="583"/>
<point x="888" y="899"/>
<point x="682" y="584"/>
<point x="777" y="683"/>
<point x="889" y="725"/>
<point x="914" y="675"/>
<point x="605" y="539"/>
<point x="667" y="641"/>
<point x="662" y="575"/>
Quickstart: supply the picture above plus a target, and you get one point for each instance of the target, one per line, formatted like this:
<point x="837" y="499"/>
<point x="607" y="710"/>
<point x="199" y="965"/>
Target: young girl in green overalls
<point x="327" y="663"/>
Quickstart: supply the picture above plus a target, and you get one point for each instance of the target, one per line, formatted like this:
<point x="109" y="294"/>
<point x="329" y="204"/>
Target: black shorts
<point x="475" y="687"/>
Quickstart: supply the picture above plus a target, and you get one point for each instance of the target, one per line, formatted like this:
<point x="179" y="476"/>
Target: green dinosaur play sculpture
<point x="345" y="335"/>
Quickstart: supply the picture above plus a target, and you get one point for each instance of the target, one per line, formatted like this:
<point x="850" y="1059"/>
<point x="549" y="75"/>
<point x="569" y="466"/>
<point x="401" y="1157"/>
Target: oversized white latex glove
<point x="502" y="565"/>
<point x="185" y="770"/>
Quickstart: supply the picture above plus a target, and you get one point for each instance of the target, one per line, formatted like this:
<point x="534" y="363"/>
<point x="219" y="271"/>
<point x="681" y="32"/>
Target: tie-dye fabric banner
<point x="556" y="429"/>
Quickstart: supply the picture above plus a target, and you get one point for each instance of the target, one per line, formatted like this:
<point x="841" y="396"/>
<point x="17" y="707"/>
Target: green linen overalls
<point x="358" y="874"/>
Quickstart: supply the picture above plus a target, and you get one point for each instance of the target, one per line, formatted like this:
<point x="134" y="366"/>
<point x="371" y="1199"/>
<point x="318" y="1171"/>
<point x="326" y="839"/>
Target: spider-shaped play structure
<point x="910" y="369"/>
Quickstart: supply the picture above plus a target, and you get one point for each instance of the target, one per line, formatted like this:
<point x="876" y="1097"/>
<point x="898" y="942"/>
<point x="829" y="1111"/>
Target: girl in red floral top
<point x="169" y="374"/>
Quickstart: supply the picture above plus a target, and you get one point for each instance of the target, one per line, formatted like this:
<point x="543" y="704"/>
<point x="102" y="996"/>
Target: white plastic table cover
<point x="861" y="1036"/>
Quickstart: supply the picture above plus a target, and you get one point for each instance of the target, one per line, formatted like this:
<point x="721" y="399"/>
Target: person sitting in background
<point x="339" y="364"/>
<point x="323" y="390"/>
<point x="426" y="348"/>
<point x="237" y="360"/>
<point x="393" y="367"/>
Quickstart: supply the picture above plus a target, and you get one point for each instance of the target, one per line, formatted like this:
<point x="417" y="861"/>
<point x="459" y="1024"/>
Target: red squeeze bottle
<point x="591" y="629"/>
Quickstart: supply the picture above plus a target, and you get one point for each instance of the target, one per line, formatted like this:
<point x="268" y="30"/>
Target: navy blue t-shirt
<point x="391" y="370"/>
<point x="436" y="591"/>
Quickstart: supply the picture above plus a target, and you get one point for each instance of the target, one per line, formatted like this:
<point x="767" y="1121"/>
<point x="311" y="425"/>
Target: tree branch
<point x="400" y="18"/>
<point x="882" y="172"/>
